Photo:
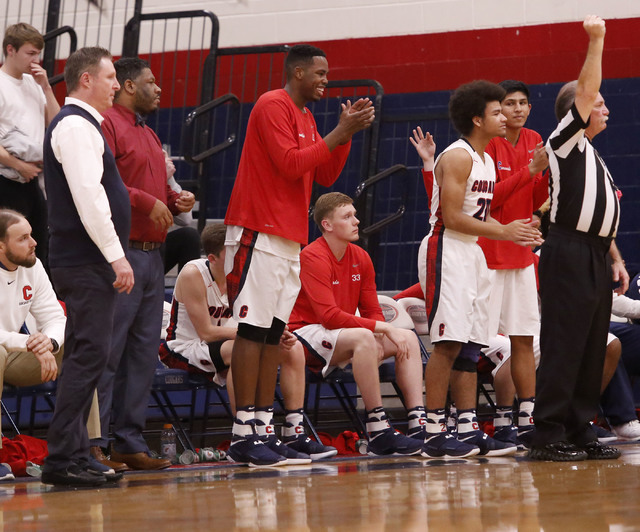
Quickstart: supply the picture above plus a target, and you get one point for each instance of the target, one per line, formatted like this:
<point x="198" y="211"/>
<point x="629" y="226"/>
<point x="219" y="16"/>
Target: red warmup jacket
<point x="516" y="196"/>
<point x="283" y="154"/>
<point x="332" y="290"/>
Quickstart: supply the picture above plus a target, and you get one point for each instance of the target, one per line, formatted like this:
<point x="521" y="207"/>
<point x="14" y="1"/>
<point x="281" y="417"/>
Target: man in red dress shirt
<point x="123" y="391"/>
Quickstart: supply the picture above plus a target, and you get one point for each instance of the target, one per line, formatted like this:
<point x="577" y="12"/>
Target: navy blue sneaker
<point x="5" y="472"/>
<point x="292" y="456"/>
<point x="251" y="451"/>
<point x="525" y="436"/>
<point x="93" y="466"/>
<point x="303" y="444"/>
<point x="487" y="445"/>
<point x="603" y="435"/>
<point x="443" y="445"/>
<point x="506" y="434"/>
<point x="389" y="442"/>
<point x="418" y="432"/>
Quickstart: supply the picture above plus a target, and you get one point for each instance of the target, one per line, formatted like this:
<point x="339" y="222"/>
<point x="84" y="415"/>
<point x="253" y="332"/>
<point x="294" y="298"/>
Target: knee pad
<point x="275" y="332"/>
<point x="468" y="358"/>
<point x="465" y="364"/>
<point x="252" y="333"/>
<point x="470" y="351"/>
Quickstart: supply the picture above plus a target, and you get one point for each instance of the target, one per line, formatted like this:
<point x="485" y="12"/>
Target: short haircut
<point x="565" y="99"/>
<point x="301" y="55"/>
<point x="326" y="204"/>
<point x="19" y="34"/>
<point x="212" y="238"/>
<point x="470" y="100"/>
<point x="81" y="61"/>
<point x="8" y="218"/>
<point x="129" y="68"/>
<point x="511" y="85"/>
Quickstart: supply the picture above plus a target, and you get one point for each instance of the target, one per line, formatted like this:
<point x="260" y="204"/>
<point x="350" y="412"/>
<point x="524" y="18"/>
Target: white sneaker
<point x="628" y="431"/>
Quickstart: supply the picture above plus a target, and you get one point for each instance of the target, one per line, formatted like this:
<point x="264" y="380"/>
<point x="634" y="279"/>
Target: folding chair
<point x="45" y="392"/>
<point x="340" y="379"/>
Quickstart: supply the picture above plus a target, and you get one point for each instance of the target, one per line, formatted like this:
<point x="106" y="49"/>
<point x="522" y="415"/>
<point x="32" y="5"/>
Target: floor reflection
<point x="412" y="494"/>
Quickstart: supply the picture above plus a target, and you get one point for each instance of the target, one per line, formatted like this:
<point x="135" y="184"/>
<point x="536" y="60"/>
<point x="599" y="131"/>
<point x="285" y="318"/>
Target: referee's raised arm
<point x="591" y="74"/>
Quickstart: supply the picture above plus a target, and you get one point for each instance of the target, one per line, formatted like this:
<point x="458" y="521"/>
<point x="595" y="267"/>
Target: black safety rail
<point x="360" y="196"/>
<point x="51" y="45"/>
<point x="201" y="124"/>
<point x="395" y="246"/>
<point x="363" y="157"/>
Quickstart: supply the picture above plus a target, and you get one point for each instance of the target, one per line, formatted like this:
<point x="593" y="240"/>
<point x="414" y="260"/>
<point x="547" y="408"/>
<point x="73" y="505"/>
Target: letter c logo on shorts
<point x="441" y="329"/>
<point x="244" y="310"/>
<point x="327" y="345"/>
<point x="27" y="292"/>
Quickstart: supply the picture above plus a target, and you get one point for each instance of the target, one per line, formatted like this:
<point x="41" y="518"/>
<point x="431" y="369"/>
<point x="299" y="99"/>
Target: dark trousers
<point x="575" y="292"/>
<point x="125" y="385"/>
<point x="89" y="296"/>
<point x="27" y="199"/>
<point x="617" y="401"/>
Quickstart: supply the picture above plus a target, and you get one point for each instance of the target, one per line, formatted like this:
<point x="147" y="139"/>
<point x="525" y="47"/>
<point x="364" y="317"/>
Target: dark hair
<point x="83" y="60"/>
<point x="301" y="55"/>
<point x="470" y="100"/>
<point x="19" y="34"/>
<point x="326" y="204"/>
<point x="212" y="238"/>
<point x="565" y="99"/>
<point x="129" y="68"/>
<point x="511" y="85"/>
<point x="8" y="218"/>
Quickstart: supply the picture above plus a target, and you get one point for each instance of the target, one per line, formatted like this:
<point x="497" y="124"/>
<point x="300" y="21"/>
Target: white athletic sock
<point x="416" y="419"/>
<point x="242" y="424"/>
<point x="503" y="417"/>
<point x="525" y="412"/>
<point x="467" y="421"/>
<point x="264" y="422"/>
<point x="436" y="421"/>
<point x="294" y="424"/>
<point x="377" y="420"/>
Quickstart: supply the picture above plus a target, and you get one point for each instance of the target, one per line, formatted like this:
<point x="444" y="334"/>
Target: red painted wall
<point x="422" y="63"/>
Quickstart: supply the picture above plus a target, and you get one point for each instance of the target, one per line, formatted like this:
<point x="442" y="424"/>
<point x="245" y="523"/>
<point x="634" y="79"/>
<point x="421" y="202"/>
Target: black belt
<point x="602" y="241"/>
<point x="144" y="246"/>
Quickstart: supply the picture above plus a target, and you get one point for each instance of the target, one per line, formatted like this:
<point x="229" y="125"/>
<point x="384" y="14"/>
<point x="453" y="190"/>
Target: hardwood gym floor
<point x="350" y="494"/>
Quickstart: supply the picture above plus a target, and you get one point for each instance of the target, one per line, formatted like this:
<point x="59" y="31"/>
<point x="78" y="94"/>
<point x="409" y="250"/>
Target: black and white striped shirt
<point x="583" y="195"/>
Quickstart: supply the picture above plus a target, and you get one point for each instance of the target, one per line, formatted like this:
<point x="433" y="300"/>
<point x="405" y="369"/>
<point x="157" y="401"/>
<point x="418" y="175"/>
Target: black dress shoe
<point x="73" y="476"/>
<point x="560" y="451"/>
<point x="599" y="451"/>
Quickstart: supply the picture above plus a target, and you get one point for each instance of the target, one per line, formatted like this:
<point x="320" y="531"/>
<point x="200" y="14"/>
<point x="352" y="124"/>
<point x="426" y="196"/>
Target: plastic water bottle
<point x="168" y="443"/>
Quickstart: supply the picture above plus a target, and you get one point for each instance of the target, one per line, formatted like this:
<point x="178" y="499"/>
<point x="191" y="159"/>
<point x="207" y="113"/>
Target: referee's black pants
<point x="576" y="292"/>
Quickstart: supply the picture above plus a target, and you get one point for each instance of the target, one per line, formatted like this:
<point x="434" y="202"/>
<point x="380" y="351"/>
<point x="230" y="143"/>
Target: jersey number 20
<point x="482" y="213"/>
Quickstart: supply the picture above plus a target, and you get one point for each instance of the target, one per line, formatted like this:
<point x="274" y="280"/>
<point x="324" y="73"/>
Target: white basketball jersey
<point x="180" y="328"/>
<point x="479" y="192"/>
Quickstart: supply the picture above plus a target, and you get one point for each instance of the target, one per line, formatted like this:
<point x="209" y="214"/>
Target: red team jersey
<point x="282" y="156"/>
<point x="515" y="197"/>
<point x="332" y="289"/>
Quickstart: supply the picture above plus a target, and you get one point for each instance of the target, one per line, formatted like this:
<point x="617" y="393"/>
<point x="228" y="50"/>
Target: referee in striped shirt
<point x="578" y="262"/>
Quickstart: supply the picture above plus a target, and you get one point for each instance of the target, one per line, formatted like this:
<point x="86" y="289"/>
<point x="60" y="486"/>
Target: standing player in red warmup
<point x="519" y="159"/>
<point x="282" y="156"/>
